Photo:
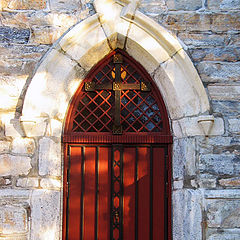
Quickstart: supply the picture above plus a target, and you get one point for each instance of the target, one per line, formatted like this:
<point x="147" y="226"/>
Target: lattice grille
<point x="139" y="110"/>
<point x="94" y="112"/>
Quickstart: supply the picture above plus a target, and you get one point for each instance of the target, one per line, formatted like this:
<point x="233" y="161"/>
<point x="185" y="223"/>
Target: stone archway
<point x="67" y="64"/>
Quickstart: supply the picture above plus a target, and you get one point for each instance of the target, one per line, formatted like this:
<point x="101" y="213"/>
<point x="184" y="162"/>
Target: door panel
<point x="129" y="179"/>
<point x="117" y="192"/>
<point x="104" y="188"/>
<point x="89" y="203"/>
<point x="75" y="200"/>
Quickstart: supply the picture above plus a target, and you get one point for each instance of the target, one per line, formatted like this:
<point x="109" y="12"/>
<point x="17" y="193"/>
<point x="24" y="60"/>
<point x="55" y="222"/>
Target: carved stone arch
<point x="65" y="66"/>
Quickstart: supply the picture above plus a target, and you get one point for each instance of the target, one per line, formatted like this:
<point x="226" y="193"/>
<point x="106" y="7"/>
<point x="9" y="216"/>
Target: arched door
<point x="117" y="162"/>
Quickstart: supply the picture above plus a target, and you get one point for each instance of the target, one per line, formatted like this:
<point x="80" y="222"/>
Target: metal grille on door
<point x="117" y="192"/>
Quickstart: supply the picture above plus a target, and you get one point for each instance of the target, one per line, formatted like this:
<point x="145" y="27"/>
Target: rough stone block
<point x="23" y="146"/>
<point x="227" y="108"/>
<point x="226" y="54"/>
<point x="207" y="183"/>
<point x="153" y="8"/>
<point x="49" y="157"/>
<point x="220" y="164"/>
<point x="5" y="181"/>
<point x="13" y="220"/>
<point x="14" y="165"/>
<point x="234" y="38"/>
<point x="223" y="4"/>
<point x="26" y="52"/>
<point x="195" y="21"/>
<point x="17" y="67"/>
<point x="187" y="214"/>
<point x="190" y="21"/>
<point x="184" y="4"/>
<point x="219" y="72"/>
<point x="222" y="194"/>
<point x="28" y="182"/>
<point x="45" y="214"/>
<point x="224" y="92"/>
<point x="196" y="40"/>
<point x="183" y="158"/>
<point x="11" y="86"/>
<point x="177" y="185"/>
<point x="18" y="195"/>
<point x="4" y="146"/>
<point x="234" y="125"/>
<point x="65" y="5"/>
<point x="47" y="183"/>
<point x="223" y="234"/>
<point x="27" y="4"/>
<point x="45" y="34"/>
<point x="218" y="145"/>
<point x="225" y="21"/>
<point x="14" y="35"/>
<point x="223" y="213"/>
<point x="230" y="182"/>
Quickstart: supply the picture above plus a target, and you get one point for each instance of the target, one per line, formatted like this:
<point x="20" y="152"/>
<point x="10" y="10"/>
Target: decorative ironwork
<point x="117" y="99"/>
<point x="117" y="58"/>
<point x="145" y="86"/>
<point x="117" y="194"/>
<point x="116" y="86"/>
<point x="90" y="86"/>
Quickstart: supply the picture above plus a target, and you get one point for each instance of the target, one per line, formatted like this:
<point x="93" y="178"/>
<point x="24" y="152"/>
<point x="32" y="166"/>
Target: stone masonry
<point x="206" y="169"/>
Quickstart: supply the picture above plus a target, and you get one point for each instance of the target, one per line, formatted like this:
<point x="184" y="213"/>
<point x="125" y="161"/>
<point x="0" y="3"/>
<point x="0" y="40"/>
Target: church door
<point x="117" y="156"/>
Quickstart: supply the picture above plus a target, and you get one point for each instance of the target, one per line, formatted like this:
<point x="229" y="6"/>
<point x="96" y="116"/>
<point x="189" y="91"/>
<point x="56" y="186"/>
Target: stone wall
<point x="205" y="169"/>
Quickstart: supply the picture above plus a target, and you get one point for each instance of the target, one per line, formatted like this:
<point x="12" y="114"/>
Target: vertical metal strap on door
<point x="116" y="193"/>
<point x="136" y="194"/>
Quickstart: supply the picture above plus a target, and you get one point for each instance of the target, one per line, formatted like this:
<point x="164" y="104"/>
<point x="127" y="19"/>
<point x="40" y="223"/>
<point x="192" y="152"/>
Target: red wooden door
<point x="117" y="192"/>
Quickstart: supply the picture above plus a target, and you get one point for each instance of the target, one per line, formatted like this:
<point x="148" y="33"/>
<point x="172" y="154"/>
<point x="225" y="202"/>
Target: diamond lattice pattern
<point x="139" y="110"/>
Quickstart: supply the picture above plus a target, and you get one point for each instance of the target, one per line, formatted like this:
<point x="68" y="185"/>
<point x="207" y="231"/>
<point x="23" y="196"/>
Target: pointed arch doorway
<point x="117" y="156"/>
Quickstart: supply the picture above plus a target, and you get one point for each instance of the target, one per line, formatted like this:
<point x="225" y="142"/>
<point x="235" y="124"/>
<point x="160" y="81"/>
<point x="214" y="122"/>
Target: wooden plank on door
<point x="74" y="221"/>
<point x="89" y="228"/>
<point x="158" y="193"/>
<point x="143" y="193"/>
<point x="129" y="158"/>
<point x="104" y="180"/>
